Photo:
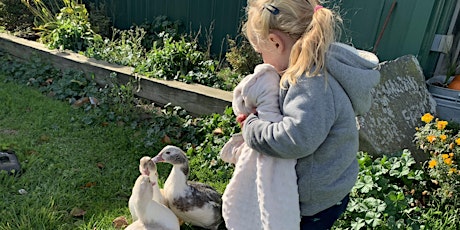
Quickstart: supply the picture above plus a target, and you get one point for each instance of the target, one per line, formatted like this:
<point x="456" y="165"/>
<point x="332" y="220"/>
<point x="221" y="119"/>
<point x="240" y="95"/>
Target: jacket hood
<point x="356" y="72"/>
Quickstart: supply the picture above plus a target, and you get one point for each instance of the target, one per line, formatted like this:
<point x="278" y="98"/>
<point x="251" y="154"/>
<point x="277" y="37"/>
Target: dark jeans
<point x="324" y="219"/>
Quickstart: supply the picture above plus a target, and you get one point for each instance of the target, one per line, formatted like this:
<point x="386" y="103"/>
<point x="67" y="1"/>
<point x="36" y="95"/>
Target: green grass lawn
<point x="65" y="164"/>
<point x="79" y="165"/>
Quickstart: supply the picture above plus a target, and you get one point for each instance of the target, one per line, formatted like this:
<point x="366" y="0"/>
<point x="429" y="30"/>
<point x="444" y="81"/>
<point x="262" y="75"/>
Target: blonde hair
<point x="314" y="32"/>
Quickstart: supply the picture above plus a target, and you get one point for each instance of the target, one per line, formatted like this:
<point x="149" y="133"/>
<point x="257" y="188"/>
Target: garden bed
<point x="196" y="99"/>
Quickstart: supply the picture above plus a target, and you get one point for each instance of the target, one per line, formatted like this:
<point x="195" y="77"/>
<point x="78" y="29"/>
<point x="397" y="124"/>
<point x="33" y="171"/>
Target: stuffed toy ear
<point x="368" y="56"/>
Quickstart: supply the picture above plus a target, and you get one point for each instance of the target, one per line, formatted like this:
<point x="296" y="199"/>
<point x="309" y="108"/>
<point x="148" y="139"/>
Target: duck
<point x="151" y="215"/>
<point x="147" y="168"/>
<point x="193" y="202"/>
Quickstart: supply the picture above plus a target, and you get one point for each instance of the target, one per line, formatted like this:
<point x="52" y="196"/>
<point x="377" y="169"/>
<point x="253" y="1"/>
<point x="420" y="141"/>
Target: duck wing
<point x="207" y="191"/>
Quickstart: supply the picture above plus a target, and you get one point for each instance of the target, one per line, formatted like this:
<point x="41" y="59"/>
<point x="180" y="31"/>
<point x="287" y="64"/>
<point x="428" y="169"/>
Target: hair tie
<point x="317" y="7"/>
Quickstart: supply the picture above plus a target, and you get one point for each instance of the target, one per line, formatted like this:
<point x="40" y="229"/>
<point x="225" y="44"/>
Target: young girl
<point x="324" y="85"/>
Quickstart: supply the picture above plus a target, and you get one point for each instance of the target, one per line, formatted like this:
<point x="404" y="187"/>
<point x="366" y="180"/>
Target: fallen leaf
<point x="44" y="138"/>
<point x="100" y="165"/>
<point x="80" y="102"/>
<point x="166" y="139"/>
<point x="89" y="185"/>
<point x="77" y="212"/>
<point x="49" y="81"/>
<point x="217" y="131"/>
<point x="120" y="222"/>
<point x="31" y="152"/>
<point x="94" y="101"/>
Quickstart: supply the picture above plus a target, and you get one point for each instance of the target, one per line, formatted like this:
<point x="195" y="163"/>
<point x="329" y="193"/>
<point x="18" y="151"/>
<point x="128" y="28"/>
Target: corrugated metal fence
<point x="397" y="27"/>
<point x="390" y="28"/>
<point x="216" y="17"/>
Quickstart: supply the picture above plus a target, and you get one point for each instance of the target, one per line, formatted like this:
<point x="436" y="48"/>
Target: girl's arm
<point x="308" y="117"/>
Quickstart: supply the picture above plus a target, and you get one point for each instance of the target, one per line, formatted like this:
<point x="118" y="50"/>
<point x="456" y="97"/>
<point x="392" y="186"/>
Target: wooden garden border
<point x="196" y="99"/>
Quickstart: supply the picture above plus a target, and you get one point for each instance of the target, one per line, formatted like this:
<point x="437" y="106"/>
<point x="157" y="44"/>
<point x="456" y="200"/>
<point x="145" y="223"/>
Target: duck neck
<point x="156" y="192"/>
<point x="177" y="179"/>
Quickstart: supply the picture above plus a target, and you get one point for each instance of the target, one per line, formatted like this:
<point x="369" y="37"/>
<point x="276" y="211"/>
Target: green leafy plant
<point x="242" y="56"/>
<point x="100" y="23"/>
<point x="125" y="47"/>
<point x="15" y="17"/>
<point x="443" y="145"/>
<point x="69" y="29"/>
<point x="178" y="60"/>
<point x="387" y="193"/>
<point x="160" y="25"/>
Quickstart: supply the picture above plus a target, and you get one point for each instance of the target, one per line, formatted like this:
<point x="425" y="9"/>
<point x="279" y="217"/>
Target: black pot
<point x="9" y="162"/>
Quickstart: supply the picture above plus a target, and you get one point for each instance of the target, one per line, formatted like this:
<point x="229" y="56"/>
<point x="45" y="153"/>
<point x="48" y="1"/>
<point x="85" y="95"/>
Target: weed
<point x="125" y="47"/>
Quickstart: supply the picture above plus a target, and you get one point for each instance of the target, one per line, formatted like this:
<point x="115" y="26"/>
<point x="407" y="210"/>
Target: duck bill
<point x="157" y="159"/>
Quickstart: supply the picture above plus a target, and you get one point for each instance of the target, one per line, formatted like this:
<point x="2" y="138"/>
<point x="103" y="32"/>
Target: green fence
<point x="395" y="28"/>
<point x="389" y="28"/>
<point x="215" y="19"/>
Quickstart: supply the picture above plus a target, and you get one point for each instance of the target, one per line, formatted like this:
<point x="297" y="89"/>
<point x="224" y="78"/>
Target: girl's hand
<point x="240" y="119"/>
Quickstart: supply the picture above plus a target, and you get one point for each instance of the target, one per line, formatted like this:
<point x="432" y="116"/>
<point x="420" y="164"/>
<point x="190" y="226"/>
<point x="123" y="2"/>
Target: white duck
<point x="147" y="168"/>
<point x="151" y="214"/>
<point x="193" y="202"/>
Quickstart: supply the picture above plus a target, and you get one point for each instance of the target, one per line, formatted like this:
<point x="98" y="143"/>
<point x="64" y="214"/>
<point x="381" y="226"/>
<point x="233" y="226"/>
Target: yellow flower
<point x="444" y="156"/>
<point x="448" y="161"/>
<point x="441" y="124"/>
<point x="431" y="138"/>
<point x="451" y="154"/>
<point x="432" y="163"/>
<point x="452" y="170"/>
<point x="427" y="118"/>
<point x="457" y="141"/>
<point x="443" y="137"/>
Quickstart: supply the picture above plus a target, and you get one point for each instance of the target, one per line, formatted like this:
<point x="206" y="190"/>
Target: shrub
<point x="100" y="22"/>
<point x="160" y="25"/>
<point x="14" y="16"/>
<point x="178" y="60"/>
<point x="69" y="29"/>
<point x="242" y="56"/>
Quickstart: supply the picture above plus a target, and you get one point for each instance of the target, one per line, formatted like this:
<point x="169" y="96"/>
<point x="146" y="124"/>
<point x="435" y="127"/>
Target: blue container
<point x="447" y="100"/>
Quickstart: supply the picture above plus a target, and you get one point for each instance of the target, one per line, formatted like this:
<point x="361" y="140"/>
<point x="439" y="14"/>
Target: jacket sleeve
<point x="309" y="114"/>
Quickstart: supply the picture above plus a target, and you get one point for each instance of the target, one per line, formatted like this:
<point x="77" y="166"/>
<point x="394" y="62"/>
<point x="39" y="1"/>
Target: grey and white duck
<point x="193" y="202"/>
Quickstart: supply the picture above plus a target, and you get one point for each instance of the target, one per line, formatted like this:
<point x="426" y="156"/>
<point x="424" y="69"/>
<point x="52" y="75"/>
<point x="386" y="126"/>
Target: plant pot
<point x="455" y="83"/>
<point x="447" y="100"/>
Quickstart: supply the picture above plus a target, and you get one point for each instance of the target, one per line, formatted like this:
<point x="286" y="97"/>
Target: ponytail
<point x="309" y="52"/>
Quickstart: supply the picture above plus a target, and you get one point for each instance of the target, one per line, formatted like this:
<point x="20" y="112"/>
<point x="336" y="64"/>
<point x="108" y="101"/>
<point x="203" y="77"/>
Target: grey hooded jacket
<point x="319" y="127"/>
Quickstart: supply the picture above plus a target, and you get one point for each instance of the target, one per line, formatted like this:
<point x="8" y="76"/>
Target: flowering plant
<point x="443" y="145"/>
